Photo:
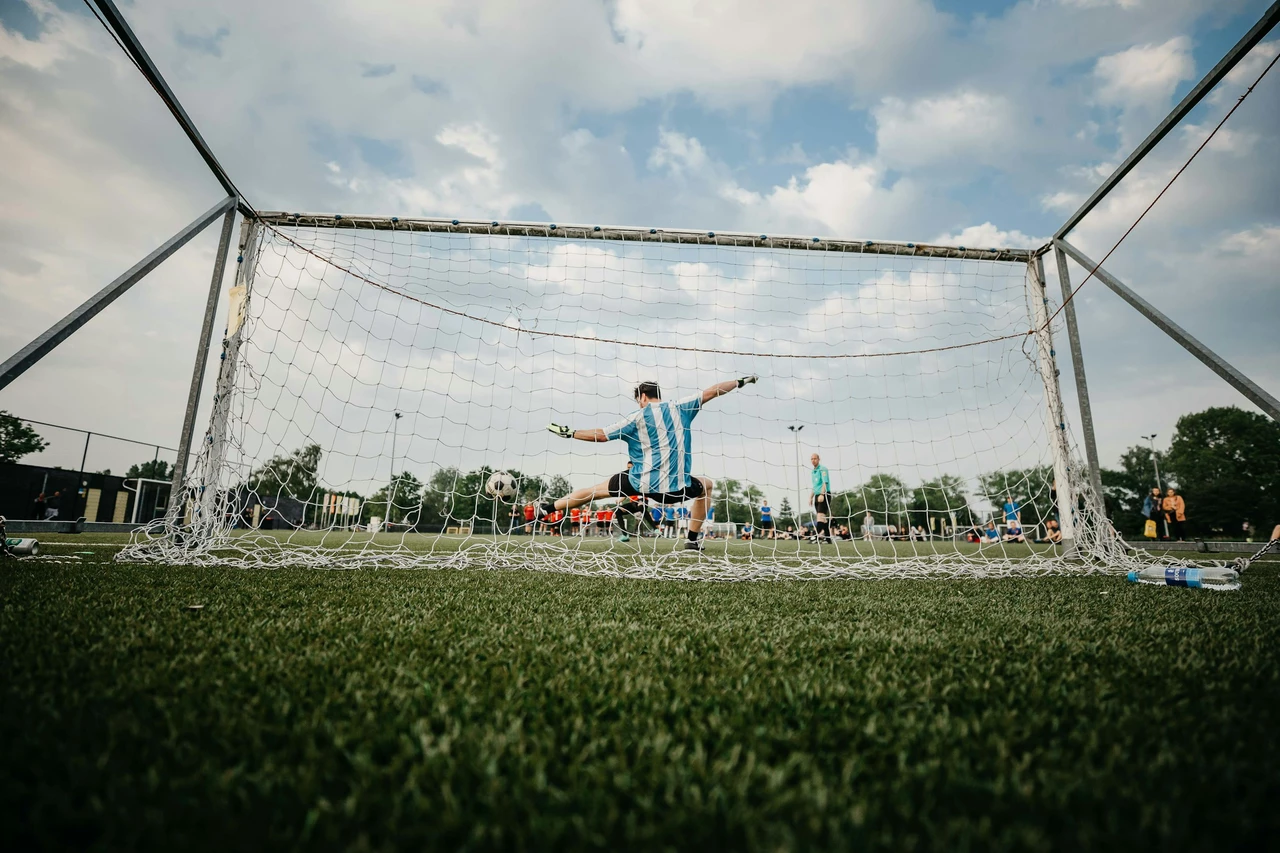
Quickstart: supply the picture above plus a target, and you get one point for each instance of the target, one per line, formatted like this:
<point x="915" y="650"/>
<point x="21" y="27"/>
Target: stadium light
<point x="395" y="431"/>
<point x="795" y="431"/>
<point x="1156" y="465"/>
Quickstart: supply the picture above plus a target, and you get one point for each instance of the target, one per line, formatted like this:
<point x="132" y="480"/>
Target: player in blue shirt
<point x="1011" y="511"/>
<point x="766" y="517"/>
<point x="660" y="445"/>
<point x="820" y="500"/>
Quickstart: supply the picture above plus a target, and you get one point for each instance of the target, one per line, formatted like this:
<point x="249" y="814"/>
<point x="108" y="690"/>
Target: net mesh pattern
<point x="371" y="381"/>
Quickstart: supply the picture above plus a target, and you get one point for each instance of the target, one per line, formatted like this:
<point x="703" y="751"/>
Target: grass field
<point x="477" y="710"/>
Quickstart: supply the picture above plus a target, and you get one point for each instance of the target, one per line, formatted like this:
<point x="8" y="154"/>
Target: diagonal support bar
<point x="19" y="362"/>
<point x="152" y="74"/>
<point x="1212" y="360"/>
<point x="1259" y="31"/>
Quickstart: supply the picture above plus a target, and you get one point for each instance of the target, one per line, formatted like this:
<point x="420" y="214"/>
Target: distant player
<point x="766" y="519"/>
<point x="820" y="500"/>
<point x="660" y="443"/>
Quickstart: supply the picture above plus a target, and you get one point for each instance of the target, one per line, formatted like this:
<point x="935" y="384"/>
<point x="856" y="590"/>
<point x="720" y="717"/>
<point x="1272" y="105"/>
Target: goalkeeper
<point x="660" y="445"/>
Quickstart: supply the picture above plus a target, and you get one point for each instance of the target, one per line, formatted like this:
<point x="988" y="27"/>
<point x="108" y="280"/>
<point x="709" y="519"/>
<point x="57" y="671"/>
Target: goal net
<point x="376" y="372"/>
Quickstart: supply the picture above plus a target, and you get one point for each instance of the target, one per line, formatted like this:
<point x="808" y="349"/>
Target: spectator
<point x="1175" y="514"/>
<point x="766" y="518"/>
<point x="682" y="522"/>
<point x="37" y="509"/>
<point x="1011" y="512"/>
<point x="52" y="506"/>
<point x="991" y="534"/>
<point x="868" y="524"/>
<point x="1013" y="533"/>
<point x="1151" y="511"/>
<point x="747" y="531"/>
<point x="1052" y="533"/>
<point x="528" y="519"/>
<point x="669" y="522"/>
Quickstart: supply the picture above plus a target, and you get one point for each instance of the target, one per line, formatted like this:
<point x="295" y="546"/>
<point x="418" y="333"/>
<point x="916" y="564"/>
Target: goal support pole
<point x="202" y="354"/>
<point x="1077" y="366"/>
<point x="1055" y="421"/>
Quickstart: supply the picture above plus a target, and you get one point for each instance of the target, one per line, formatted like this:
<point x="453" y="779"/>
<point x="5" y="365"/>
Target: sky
<point x="980" y="123"/>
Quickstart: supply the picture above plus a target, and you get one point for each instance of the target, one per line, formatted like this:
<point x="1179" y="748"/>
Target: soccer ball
<point x="501" y="485"/>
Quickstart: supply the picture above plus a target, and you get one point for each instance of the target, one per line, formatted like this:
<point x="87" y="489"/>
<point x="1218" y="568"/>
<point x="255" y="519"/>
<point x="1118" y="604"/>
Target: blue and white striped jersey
<point x="659" y="444"/>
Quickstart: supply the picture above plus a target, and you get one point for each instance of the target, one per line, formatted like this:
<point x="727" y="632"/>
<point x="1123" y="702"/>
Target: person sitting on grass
<point x="990" y="534"/>
<point x="1052" y="533"/>
<point x="1013" y="533"/>
<point x="660" y="443"/>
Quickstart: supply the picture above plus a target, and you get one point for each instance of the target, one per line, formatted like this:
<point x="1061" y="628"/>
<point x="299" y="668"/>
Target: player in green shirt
<point x="820" y="500"/>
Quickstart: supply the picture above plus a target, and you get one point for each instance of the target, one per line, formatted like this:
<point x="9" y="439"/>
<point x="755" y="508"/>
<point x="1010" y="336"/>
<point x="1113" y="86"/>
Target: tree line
<point x="1224" y="461"/>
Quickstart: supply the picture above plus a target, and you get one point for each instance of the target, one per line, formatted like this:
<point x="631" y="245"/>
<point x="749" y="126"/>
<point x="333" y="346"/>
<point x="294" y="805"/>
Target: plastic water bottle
<point x="1216" y="577"/>
<point x="23" y="547"/>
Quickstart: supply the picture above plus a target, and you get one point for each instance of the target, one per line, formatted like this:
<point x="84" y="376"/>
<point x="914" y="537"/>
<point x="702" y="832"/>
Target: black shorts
<point x="620" y="487"/>
<point x="820" y="504"/>
<point x="766" y="524"/>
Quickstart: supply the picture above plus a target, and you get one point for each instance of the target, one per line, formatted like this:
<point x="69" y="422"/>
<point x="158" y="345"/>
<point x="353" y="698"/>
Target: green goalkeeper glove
<point x="748" y="380"/>
<point x="562" y="431"/>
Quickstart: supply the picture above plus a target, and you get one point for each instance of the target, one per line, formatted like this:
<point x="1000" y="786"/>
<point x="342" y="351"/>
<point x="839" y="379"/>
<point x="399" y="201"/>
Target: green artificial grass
<point x="478" y="710"/>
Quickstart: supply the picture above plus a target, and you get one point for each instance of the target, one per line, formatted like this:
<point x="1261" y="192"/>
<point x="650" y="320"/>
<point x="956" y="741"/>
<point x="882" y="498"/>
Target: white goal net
<point x="376" y="372"/>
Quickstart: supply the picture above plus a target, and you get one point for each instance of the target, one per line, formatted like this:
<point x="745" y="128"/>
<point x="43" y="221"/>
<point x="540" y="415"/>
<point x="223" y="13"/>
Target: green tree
<point x="558" y="487"/>
<point x="935" y="501"/>
<point x="883" y="495"/>
<point x="17" y="439"/>
<point x="786" y="515"/>
<point x="436" y="506"/>
<point x="1029" y="487"/>
<point x="293" y="475"/>
<point x="399" y="502"/>
<point x="152" y="469"/>
<point x="1124" y="490"/>
<point x="1228" y="469"/>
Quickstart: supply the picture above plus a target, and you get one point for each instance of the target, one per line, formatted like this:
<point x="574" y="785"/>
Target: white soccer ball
<point x="501" y="485"/>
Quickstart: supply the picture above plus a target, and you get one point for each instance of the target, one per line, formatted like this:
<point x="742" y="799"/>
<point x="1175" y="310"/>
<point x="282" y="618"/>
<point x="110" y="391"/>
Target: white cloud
<point x="1102" y="4"/>
<point x="966" y="128"/>
<point x="988" y="236"/>
<point x="1248" y="69"/>
<point x="1144" y="75"/>
<point x="677" y="153"/>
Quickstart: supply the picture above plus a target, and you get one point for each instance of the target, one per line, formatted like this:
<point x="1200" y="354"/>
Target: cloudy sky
<point x="982" y="122"/>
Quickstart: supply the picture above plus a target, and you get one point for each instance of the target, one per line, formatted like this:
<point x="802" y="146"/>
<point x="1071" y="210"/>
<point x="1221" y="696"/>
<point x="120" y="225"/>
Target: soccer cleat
<point x="624" y="538"/>
<point x="693" y="545"/>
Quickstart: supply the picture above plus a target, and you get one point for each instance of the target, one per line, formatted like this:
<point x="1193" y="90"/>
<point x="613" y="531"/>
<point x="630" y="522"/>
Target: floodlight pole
<point x="795" y="431"/>
<point x="1077" y="366"/>
<point x="395" y="431"/>
<point x="202" y="354"/>
<point x="1212" y="360"/>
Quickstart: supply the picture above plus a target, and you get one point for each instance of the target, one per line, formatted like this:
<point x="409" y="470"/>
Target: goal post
<point x="392" y="364"/>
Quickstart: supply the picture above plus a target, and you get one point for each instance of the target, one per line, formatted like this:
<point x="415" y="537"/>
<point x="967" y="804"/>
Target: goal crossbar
<point x="613" y="233"/>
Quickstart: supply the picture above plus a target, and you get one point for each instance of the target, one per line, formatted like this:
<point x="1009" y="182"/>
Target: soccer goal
<point x="375" y="372"/>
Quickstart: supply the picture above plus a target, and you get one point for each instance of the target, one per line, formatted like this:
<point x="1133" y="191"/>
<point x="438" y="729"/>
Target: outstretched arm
<point x="580" y="434"/>
<point x="722" y="388"/>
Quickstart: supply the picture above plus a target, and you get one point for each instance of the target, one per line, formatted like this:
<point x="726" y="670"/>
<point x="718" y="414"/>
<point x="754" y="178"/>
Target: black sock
<point x="693" y="535"/>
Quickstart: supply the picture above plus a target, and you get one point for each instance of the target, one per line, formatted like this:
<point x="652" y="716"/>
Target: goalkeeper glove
<point x="562" y="431"/>
<point x="748" y="380"/>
